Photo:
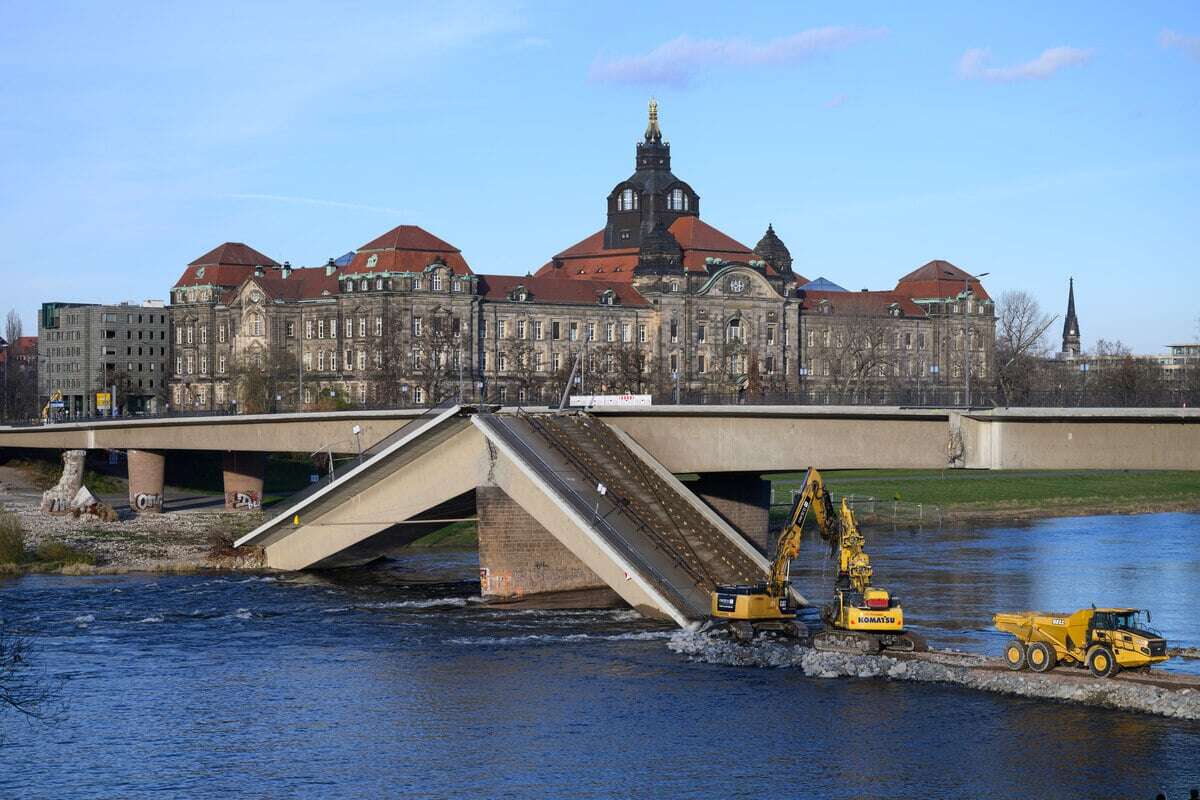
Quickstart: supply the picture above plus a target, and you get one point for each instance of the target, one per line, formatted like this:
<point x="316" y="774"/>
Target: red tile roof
<point x="407" y="248"/>
<point x="558" y="290"/>
<point x="588" y="259"/>
<point x="22" y="350"/>
<point x="860" y="303"/>
<point x="939" y="279"/>
<point x="304" y="283"/>
<point x="225" y="265"/>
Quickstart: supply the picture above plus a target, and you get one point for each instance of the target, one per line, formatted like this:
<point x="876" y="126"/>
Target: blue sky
<point x="1033" y="141"/>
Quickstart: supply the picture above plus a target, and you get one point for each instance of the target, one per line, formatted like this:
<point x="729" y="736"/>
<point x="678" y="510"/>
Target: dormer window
<point x="349" y="286"/>
<point x="677" y="200"/>
<point x="627" y="200"/>
<point x="519" y="294"/>
<point x="378" y="283"/>
<point x="416" y="282"/>
<point x="894" y="310"/>
<point x="435" y="282"/>
<point x="364" y="285"/>
<point x="608" y="298"/>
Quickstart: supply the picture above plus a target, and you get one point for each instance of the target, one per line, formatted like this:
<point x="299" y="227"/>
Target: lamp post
<point x="967" y="328"/>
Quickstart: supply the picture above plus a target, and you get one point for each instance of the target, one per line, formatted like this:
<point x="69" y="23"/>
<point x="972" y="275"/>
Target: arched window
<point x="734" y="331"/>
<point x="363" y="285"/>
<point x="677" y="200"/>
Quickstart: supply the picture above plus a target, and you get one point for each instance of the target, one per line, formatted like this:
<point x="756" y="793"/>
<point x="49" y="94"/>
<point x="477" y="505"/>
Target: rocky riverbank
<point x="180" y="541"/>
<point x="1168" y="696"/>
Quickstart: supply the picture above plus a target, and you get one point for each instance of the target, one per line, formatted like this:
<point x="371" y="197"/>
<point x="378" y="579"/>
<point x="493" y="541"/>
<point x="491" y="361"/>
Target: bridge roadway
<point x="724" y="438"/>
<point x="607" y="504"/>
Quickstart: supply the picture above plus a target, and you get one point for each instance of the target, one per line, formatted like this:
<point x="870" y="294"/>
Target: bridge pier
<point x="743" y="500"/>
<point x="243" y="476"/>
<point x="145" y="480"/>
<point x="518" y="557"/>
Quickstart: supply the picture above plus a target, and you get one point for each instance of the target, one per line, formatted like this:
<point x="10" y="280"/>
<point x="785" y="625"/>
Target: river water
<point x="396" y="682"/>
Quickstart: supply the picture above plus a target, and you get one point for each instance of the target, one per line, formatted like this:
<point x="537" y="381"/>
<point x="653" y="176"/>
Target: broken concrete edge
<point x="712" y="516"/>
<point x="665" y="607"/>
<point x="287" y="515"/>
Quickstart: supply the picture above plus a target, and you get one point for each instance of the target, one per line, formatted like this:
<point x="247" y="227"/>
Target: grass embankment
<point x="1004" y="494"/>
<point x="48" y="556"/>
<point x="456" y="534"/>
<point x="44" y="473"/>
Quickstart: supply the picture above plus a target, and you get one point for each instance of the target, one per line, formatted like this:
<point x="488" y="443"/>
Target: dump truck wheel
<point x="1101" y="662"/>
<point x="1040" y="657"/>
<point x="1014" y="655"/>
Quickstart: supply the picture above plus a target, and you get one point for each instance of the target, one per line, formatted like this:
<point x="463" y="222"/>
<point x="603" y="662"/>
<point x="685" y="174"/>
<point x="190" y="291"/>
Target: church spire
<point x="1070" y="341"/>
<point x="653" y="134"/>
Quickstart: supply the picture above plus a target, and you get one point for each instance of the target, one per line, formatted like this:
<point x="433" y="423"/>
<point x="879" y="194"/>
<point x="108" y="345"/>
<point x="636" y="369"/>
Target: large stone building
<point x="86" y="349"/>
<point x="657" y="301"/>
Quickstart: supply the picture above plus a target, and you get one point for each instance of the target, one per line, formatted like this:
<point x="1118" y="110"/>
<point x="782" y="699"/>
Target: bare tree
<point x="1123" y="380"/>
<point x="12" y="327"/>
<point x="437" y="350"/>
<point x="853" y="355"/>
<point x="263" y="380"/>
<point x="22" y="688"/>
<point x="1020" y="344"/>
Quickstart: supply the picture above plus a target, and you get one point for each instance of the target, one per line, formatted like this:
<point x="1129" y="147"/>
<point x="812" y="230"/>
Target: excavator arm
<point x="811" y="497"/>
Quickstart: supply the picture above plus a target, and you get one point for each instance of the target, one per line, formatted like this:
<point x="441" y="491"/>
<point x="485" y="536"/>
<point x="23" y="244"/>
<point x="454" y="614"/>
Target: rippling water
<point x="398" y="683"/>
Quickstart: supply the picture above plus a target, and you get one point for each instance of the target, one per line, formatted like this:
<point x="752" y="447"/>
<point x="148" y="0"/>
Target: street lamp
<point x="966" y="292"/>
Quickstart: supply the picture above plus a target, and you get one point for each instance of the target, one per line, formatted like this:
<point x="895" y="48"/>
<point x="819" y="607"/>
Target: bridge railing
<point x="408" y="428"/>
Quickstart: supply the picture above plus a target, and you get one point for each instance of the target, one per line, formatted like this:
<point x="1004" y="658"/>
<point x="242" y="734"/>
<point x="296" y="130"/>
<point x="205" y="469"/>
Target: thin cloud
<point x="1188" y="44"/>
<point x="837" y="101"/>
<point x="314" y="201"/>
<point x="681" y="60"/>
<point x="974" y="65"/>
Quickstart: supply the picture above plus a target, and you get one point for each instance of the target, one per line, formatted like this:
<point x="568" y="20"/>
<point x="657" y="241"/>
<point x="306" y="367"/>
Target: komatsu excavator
<point x="861" y="618"/>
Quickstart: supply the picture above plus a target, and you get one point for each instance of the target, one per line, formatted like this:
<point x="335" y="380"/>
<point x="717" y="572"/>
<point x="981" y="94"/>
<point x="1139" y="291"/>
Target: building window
<point x="537" y="329"/>
<point x="677" y="200"/>
<point x="416" y="326"/>
<point x="627" y="200"/>
<point x="191" y="363"/>
<point x="190" y="331"/>
<point x="520" y="329"/>
<point x="501" y="328"/>
<point x="256" y="325"/>
<point x="204" y="363"/>
<point x="573" y="331"/>
<point x="538" y="363"/>
<point x="591" y="331"/>
<point x="642" y="333"/>
<point x="770" y="334"/>
<point x="362" y="393"/>
<point x="770" y="365"/>
<point x="435" y="282"/>
<point x="502" y="362"/>
<point x="307" y="360"/>
<point x="503" y="394"/>
<point x="700" y="363"/>
<point x="203" y="334"/>
<point x="379" y="283"/>
<point x="378" y="358"/>
<point x="349" y="328"/>
<point x="178" y="365"/>
<point x="362" y="359"/>
<point x="555" y="330"/>
<point x="362" y="326"/>
<point x="379" y="326"/>
<point x="363" y="285"/>
<point x="700" y="334"/>
<point x="308" y="395"/>
<point x="416" y="283"/>
<point x="418" y="395"/>
<point x="349" y="360"/>
<point x="734" y="332"/>
<point x="321" y="360"/>
<point x="675" y="286"/>
<point x="674" y="362"/>
<point x="320" y="329"/>
<point x="674" y="331"/>
<point x="555" y="362"/>
<point x="349" y="287"/>
<point x="220" y="363"/>
<point x="308" y="329"/>
<point x="290" y="330"/>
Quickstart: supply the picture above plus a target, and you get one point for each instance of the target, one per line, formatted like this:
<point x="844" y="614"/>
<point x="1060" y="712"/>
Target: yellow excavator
<point x="861" y="618"/>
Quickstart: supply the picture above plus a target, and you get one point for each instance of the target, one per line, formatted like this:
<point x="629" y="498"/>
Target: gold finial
<point x="652" y="131"/>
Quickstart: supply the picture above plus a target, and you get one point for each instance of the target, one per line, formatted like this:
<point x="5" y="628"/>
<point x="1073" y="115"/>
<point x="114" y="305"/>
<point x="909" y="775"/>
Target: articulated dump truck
<point x="1104" y="640"/>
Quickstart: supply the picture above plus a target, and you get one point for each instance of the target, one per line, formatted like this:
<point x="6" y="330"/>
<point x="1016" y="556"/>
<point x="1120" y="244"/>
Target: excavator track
<point x="867" y="643"/>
